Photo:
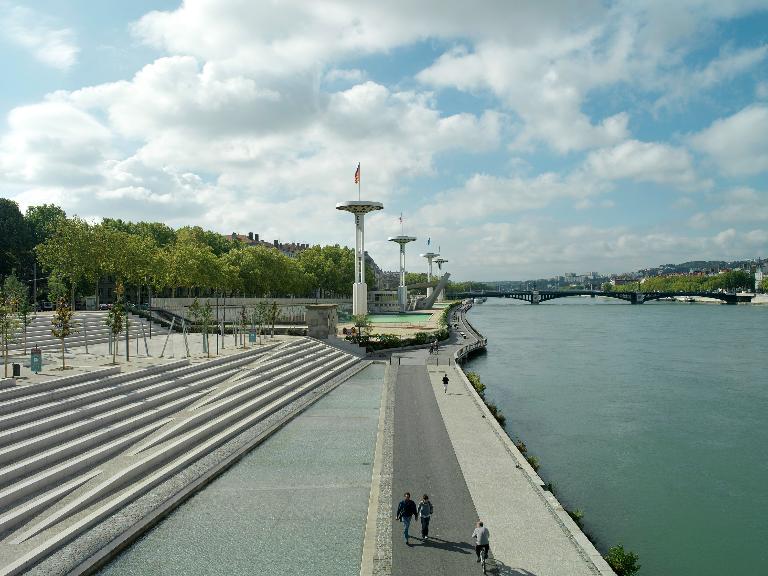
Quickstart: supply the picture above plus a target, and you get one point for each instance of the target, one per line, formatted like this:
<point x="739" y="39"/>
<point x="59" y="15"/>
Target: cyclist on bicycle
<point x="481" y="536"/>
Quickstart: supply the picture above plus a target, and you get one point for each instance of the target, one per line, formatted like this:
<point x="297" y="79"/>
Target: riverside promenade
<point x="449" y="446"/>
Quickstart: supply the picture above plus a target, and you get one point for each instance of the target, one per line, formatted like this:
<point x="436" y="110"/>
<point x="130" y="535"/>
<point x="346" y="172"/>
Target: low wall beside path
<point x="533" y="531"/>
<point x="292" y="310"/>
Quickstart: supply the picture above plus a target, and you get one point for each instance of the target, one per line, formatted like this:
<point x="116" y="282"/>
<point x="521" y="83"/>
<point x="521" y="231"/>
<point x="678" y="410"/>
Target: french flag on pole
<point x="429" y="240"/>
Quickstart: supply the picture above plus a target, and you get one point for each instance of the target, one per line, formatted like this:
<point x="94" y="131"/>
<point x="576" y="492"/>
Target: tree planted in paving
<point x="18" y="296"/>
<point x="274" y="312"/>
<point x="63" y="325"/>
<point x="114" y="319"/>
<point x="9" y="323"/>
<point x="202" y="316"/>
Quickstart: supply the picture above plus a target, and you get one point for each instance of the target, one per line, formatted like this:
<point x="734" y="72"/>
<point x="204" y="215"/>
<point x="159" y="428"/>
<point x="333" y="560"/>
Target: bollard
<point x="36" y="360"/>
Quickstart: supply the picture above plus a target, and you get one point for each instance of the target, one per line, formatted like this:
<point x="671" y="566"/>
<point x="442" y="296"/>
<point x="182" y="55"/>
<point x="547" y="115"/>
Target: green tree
<point x="261" y="315"/>
<point x="43" y="220"/>
<point x="415" y="278"/>
<point x="8" y="325"/>
<point x="330" y="269"/>
<point x="15" y="240"/>
<point x="57" y="287"/>
<point x="63" y="325"/>
<point x="218" y="243"/>
<point x="18" y="295"/>
<point x="188" y="264"/>
<point x="274" y="312"/>
<point x="363" y="328"/>
<point x="243" y="323"/>
<point x="202" y="316"/>
<point x="764" y="285"/>
<point x="73" y="252"/>
<point x="115" y="317"/>
<point x="162" y="234"/>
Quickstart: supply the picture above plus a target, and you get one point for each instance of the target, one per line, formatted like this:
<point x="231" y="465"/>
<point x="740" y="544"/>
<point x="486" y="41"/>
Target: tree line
<point x="734" y="280"/>
<point x="75" y="256"/>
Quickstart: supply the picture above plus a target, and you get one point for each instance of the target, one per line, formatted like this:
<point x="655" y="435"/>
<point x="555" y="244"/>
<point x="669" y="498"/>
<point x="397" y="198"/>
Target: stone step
<point x="24" y="389"/>
<point x="12" y="495"/>
<point x="42" y="419"/>
<point x="180" y="451"/>
<point x="25" y="511"/>
<point x="265" y="371"/>
<point x="251" y="397"/>
<point x="33" y="454"/>
<point x="281" y="358"/>
<point x="52" y="393"/>
<point x="18" y="417"/>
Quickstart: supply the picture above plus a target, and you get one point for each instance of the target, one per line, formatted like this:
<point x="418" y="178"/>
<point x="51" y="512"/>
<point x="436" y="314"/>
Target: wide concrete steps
<point x="73" y="454"/>
<point x="89" y="326"/>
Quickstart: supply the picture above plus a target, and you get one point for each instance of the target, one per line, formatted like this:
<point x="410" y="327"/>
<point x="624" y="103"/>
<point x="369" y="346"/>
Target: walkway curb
<point x="377" y="543"/>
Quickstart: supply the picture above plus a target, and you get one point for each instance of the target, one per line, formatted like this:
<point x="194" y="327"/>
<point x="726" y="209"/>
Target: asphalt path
<point x="424" y="462"/>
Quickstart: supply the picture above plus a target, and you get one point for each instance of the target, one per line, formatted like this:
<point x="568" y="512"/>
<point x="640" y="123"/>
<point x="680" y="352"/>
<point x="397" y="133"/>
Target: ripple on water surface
<point x="650" y="418"/>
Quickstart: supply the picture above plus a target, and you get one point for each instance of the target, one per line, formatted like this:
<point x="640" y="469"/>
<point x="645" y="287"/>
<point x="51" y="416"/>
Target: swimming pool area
<point x="399" y="318"/>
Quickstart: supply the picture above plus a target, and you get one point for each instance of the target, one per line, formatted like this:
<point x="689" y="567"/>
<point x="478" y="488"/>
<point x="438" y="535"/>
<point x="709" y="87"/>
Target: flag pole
<point x="359" y="178"/>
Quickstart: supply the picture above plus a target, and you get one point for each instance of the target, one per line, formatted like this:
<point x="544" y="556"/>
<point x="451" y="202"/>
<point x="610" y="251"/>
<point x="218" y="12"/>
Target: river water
<point x="651" y="419"/>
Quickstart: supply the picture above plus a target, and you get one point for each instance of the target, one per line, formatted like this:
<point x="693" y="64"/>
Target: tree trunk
<point x="63" y="366"/>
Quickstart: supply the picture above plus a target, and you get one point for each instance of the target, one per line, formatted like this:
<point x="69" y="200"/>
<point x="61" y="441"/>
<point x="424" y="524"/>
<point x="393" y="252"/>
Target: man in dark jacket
<point x="406" y="510"/>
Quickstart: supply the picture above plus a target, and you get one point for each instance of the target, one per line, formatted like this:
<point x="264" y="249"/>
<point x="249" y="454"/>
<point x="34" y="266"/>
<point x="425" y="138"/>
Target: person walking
<point x="482" y="539"/>
<point x="445" y="383"/>
<point x="425" y="511"/>
<point x="406" y="510"/>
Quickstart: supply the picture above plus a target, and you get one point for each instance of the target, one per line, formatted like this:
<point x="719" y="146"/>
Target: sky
<point x="522" y="139"/>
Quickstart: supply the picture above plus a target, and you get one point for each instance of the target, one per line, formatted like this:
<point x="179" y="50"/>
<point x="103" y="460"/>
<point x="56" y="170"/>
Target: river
<point x="651" y="419"/>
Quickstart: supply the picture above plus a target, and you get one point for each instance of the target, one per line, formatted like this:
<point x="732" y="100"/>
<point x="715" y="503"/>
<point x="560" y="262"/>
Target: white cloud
<point x="682" y="85"/>
<point x="738" y="144"/>
<point x="725" y="237"/>
<point x="643" y="162"/>
<point x="242" y="124"/>
<point x="544" y="84"/>
<point x="33" y="31"/>
<point x="54" y="142"/>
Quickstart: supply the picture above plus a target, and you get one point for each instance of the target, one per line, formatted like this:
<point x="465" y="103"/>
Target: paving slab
<point x="424" y="462"/>
<point x="297" y="504"/>
<point x="529" y="530"/>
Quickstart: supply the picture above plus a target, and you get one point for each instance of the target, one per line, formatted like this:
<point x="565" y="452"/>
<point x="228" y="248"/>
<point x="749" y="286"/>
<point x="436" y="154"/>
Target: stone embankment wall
<point x="291" y="309"/>
<point x="477" y="341"/>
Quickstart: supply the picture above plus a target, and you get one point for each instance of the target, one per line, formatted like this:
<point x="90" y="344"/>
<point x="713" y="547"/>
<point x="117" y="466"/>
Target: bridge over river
<point x="539" y="296"/>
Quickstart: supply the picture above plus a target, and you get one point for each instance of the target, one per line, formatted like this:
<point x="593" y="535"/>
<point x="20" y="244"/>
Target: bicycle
<point x="483" y="558"/>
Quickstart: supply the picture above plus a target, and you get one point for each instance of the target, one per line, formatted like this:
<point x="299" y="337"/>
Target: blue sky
<point x="526" y="139"/>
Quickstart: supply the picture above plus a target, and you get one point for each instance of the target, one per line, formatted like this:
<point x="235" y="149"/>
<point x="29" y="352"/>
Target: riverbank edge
<point x="585" y="547"/>
<point x="93" y="550"/>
